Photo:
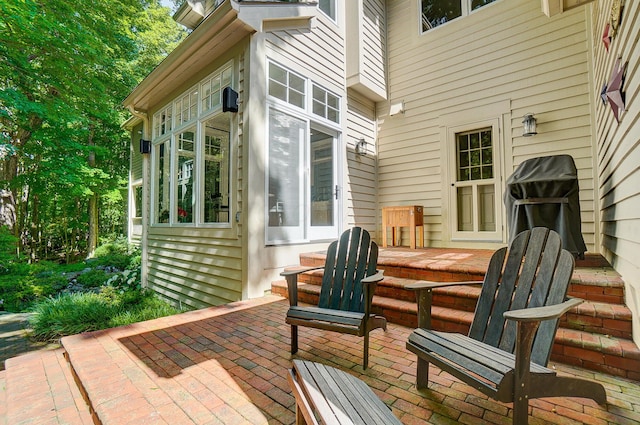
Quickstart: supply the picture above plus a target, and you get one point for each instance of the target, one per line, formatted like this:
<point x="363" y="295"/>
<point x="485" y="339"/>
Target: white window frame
<point x="465" y="11"/>
<point x="196" y="116"/>
<point x="306" y="233"/>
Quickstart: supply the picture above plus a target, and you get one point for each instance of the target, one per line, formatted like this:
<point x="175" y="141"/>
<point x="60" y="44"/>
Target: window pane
<point x="474" y="155"/>
<point x="438" y="12"/>
<point x="322" y="184"/>
<point x="318" y="108"/>
<point x="216" y="169"/>
<point x="162" y="172"/>
<point x="277" y="90"/>
<point x="476" y="4"/>
<point x="285" y="205"/>
<point x="328" y="7"/>
<point x="186" y="175"/>
<point x="137" y="199"/>
<point x="277" y="74"/>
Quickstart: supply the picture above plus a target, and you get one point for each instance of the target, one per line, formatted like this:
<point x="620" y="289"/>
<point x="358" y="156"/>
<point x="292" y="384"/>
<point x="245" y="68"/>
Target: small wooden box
<point x="411" y="216"/>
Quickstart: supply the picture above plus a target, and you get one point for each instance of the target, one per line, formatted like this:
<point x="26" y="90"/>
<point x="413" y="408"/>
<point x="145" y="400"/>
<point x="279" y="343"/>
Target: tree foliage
<point x="65" y="67"/>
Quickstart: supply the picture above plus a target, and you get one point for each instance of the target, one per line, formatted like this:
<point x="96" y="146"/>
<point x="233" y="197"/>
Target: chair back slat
<point x="536" y="273"/>
<point x="349" y="259"/>
<point x="541" y="351"/>
<point x="504" y="294"/>
<point x="540" y="262"/>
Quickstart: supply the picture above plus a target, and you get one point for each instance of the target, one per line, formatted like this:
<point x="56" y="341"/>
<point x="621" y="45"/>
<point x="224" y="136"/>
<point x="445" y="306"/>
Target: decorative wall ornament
<point x="606" y="36"/>
<point x="616" y="16"/>
<point x="614" y="93"/>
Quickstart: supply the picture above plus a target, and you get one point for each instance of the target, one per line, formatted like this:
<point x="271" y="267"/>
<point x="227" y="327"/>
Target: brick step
<point x="599" y="284"/>
<point x="40" y="388"/>
<point x="592" y="316"/>
<point x="614" y="356"/>
<point x="398" y="305"/>
<point x="3" y="397"/>
<point x="609" y="324"/>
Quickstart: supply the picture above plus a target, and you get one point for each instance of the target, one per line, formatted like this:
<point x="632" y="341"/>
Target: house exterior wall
<point x="618" y="150"/>
<point x="195" y="266"/>
<point x="318" y="54"/>
<point x="499" y="63"/>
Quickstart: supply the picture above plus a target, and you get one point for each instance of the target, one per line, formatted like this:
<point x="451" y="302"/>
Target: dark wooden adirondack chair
<point x="516" y="318"/>
<point x="348" y="284"/>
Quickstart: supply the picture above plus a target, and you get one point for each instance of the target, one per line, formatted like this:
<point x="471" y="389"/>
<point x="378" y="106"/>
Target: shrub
<point x="93" y="278"/>
<point x="73" y="313"/>
<point x="70" y="314"/>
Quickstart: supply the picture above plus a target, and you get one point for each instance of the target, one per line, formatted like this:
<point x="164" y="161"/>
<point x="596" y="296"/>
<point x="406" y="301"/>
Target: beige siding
<point x="195" y="268"/>
<point x="532" y="64"/>
<point x="618" y="150"/>
<point x="360" y="173"/>
<point x="366" y="31"/>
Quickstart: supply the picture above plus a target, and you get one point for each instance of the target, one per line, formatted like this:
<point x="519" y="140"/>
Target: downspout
<point x="146" y="168"/>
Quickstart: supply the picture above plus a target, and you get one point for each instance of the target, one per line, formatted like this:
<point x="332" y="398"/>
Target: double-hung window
<point x="191" y="156"/>
<point x="439" y="12"/>
<point x="302" y="166"/>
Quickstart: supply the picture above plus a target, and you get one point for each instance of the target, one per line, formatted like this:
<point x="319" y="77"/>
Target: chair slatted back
<point x="349" y="259"/>
<point x="537" y="272"/>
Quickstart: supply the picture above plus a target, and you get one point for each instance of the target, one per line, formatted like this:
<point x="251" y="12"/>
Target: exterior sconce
<point x="229" y="100"/>
<point x="529" y="125"/>
<point x="361" y="147"/>
<point x="145" y="146"/>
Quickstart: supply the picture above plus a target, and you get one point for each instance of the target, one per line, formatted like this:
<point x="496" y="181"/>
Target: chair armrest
<point x="426" y="284"/>
<point x="374" y="278"/>
<point x="292" y="281"/>
<point x="298" y="270"/>
<point x="538" y="314"/>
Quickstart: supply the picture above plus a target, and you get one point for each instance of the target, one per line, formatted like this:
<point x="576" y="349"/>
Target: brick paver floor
<point x="227" y="365"/>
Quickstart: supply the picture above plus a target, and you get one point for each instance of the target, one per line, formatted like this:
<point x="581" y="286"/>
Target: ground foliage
<point x="65" y="68"/>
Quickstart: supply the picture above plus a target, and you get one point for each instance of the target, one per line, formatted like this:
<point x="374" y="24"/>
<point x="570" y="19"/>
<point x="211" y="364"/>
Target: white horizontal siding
<point x="195" y="267"/>
<point x="618" y="150"/>
<point x="360" y="174"/>
<point x="505" y="52"/>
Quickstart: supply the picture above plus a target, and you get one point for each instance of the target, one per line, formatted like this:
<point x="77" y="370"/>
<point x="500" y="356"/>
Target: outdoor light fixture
<point x="361" y="147"/>
<point x="145" y="146"/>
<point x="529" y="125"/>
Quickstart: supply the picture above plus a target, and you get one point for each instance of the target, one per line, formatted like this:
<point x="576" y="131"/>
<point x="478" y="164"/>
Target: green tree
<point x="64" y="69"/>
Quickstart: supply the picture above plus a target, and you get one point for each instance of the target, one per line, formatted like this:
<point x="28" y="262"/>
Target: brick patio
<point x="227" y="364"/>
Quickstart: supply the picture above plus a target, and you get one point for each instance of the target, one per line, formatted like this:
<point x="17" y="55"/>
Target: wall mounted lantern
<point x="145" y="146"/>
<point x="529" y="125"/>
<point x="361" y="147"/>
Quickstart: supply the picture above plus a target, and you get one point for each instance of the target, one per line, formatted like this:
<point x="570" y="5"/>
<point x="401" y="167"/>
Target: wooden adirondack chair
<point x="516" y="318"/>
<point x="348" y="284"/>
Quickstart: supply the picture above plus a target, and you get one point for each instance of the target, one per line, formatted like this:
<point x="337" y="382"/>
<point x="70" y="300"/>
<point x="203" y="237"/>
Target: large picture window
<point x="302" y="167"/>
<point x="191" y="156"/>
<point x="439" y="12"/>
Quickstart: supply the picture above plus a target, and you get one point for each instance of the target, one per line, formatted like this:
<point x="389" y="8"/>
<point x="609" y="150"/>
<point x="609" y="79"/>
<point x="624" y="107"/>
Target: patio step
<point x="40" y="388"/>
<point x="3" y="397"/>
<point x="595" y="335"/>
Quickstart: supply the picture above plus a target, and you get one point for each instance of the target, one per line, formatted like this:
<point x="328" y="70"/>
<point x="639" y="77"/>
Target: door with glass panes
<point x="475" y="189"/>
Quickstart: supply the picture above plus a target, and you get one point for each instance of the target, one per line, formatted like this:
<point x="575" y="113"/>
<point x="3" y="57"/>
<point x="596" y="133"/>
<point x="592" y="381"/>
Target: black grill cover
<point x="544" y="192"/>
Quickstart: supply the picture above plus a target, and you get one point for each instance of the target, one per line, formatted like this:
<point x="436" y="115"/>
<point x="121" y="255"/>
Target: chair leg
<point x="365" y="354"/>
<point x="422" y="374"/>
<point x="521" y="411"/>
<point x="294" y="339"/>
